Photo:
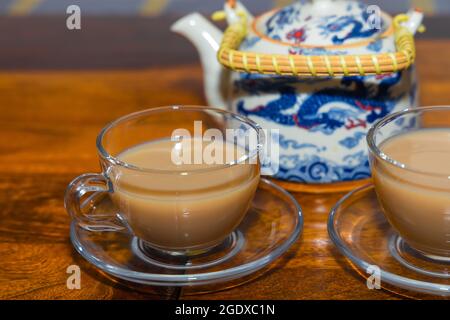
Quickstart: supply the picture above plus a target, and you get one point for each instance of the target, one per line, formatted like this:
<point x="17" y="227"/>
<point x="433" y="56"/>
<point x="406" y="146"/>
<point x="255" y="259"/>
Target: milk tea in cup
<point x="410" y="160"/>
<point x="183" y="206"/>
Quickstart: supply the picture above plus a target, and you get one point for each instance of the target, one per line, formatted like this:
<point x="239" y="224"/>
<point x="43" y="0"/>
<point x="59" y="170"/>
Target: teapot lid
<point x="317" y="29"/>
<point x="321" y="23"/>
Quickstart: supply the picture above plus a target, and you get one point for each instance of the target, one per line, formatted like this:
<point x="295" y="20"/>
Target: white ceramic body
<point x="337" y="114"/>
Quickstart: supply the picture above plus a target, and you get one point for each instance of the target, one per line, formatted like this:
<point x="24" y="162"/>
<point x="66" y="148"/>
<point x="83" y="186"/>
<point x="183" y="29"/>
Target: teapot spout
<point x="206" y="38"/>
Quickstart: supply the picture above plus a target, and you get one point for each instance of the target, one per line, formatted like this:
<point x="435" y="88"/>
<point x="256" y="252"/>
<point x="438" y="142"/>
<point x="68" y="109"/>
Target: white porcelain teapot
<point x="321" y="71"/>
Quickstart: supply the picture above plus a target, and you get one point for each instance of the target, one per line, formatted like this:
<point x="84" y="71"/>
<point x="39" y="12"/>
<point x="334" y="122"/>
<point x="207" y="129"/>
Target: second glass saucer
<point x="359" y="229"/>
<point x="273" y="223"/>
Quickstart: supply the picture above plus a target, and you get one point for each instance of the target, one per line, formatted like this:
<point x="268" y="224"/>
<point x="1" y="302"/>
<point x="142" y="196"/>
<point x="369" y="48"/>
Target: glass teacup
<point x="416" y="201"/>
<point x="177" y="209"/>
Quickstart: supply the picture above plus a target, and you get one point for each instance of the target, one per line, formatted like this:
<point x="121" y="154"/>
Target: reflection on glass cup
<point x="410" y="161"/>
<point x="174" y="207"/>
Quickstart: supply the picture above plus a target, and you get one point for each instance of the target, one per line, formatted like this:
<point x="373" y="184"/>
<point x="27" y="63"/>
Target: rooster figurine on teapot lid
<point x="322" y="72"/>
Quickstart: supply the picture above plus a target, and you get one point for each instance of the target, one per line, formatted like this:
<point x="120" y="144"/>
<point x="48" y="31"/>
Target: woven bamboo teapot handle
<point x="324" y="65"/>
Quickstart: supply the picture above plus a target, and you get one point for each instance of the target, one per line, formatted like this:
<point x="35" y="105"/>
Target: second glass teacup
<point x="410" y="160"/>
<point x="173" y="206"/>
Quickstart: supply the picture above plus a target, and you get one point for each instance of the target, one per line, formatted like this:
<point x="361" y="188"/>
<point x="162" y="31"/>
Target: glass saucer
<point x="271" y="226"/>
<point x="359" y="229"/>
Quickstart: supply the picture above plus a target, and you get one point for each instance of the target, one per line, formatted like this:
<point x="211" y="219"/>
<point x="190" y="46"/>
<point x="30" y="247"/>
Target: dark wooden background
<point x="58" y="88"/>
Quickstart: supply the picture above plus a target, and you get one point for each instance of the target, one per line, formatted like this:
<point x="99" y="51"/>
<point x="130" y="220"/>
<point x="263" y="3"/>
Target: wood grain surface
<point x="49" y="122"/>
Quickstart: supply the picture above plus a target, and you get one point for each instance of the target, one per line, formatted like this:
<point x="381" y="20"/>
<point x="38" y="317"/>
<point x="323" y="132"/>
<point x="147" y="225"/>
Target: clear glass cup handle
<point x="76" y="198"/>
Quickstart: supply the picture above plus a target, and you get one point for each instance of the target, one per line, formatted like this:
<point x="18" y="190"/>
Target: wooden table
<point x="49" y="122"/>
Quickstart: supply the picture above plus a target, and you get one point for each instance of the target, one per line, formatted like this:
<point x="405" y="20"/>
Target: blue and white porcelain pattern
<point x="299" y="26"/>
<point x="300" y="23"/>
<point x="322" y="121"/>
